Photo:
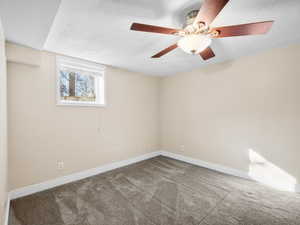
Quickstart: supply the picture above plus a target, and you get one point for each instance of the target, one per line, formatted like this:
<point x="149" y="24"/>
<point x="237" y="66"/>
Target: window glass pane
<point x="85" y="87"/>
<point x="76" y="86"/>
<point x="64" y="83"/>
<point x="80" y="82"/>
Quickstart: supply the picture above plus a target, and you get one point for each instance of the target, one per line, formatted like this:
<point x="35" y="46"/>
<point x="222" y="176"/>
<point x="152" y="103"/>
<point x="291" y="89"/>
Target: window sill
<point x="81" y="105"/>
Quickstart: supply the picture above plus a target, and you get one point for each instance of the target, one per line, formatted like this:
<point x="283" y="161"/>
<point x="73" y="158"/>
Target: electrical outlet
<point x="60" y="165"/>
<point x="182" y="148"/>
<point x="3" y="204"/>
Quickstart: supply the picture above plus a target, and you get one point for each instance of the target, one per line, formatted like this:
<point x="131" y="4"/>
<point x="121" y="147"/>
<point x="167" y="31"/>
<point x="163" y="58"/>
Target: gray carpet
<point x="159" y="191"/>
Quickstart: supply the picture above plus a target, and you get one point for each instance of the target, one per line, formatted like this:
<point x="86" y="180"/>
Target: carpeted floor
<point x="159" y="191"/>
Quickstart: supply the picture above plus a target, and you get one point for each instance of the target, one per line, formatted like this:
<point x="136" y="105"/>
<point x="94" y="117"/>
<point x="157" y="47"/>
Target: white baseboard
<point x="21" y="192"/>
<point x="223" y="169"/>
<point x="6" y="215"/>
<point x="31" y="189"/>
<point x="212" y="166"/>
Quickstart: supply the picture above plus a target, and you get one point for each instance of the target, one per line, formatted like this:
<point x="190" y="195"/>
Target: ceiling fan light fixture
<point x="194" y="43"/>
<point x="197" y="33"/>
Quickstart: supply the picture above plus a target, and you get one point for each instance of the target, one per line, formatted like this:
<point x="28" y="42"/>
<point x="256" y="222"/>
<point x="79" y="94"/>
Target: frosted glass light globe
<point x="194" y="43"/>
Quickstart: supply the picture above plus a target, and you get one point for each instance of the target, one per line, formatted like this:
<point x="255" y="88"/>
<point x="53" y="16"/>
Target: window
<point x="80" y="83"/>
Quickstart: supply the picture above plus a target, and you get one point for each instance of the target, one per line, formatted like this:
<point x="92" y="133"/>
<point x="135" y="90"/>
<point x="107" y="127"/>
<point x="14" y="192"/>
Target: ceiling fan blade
<point x="209" y="11"/>
<point x="207" y="53"/>
<point x="243" y="29"/>
<point x="165" y="51"/>
<point x="153" y="29"/>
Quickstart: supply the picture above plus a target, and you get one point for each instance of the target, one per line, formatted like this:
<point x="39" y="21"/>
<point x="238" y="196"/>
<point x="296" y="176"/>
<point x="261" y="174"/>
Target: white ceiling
<point x="98" y="30"/>
<point x="28" y="22"/>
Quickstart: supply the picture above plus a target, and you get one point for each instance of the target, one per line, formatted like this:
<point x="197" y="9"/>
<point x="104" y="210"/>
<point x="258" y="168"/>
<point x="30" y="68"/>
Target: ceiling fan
<point x="197" y="35"/>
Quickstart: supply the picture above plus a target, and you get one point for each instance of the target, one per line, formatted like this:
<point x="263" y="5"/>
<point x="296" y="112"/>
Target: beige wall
<point x="216" y="114"/>
<point x="41" y="133"/>
<point x="3" y="133"/>
<point x="219" y="112"/>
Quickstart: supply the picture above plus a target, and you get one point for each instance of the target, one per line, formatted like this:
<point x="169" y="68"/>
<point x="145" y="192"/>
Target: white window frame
<point x="81" y="65"/>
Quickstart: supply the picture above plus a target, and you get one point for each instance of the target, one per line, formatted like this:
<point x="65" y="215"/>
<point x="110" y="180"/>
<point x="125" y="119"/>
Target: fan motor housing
<point x="190" y="17"/>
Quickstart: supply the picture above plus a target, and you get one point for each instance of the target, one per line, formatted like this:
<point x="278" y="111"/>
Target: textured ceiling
<point x="98" y="30"/>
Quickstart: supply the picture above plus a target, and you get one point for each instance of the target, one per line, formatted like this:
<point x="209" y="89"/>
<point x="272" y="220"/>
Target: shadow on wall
<point x="269" y="174"/>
